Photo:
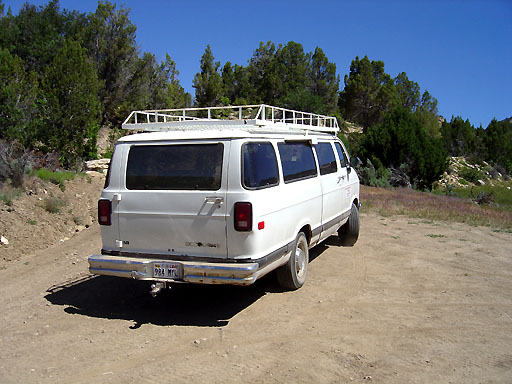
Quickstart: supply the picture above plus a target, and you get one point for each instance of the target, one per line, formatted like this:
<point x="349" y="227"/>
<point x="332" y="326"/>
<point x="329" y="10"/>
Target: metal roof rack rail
<point x="251" y="117"/>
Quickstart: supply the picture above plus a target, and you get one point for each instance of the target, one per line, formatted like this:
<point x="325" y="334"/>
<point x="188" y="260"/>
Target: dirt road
<point x="412" y="302"/>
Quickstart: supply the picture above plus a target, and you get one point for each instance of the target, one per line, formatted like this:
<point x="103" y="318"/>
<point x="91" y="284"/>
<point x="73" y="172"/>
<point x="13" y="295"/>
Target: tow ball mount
<point x="157" y="287"/>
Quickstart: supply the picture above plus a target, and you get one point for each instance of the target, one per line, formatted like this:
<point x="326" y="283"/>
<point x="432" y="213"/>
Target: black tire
<point x="349" y="232"/>
<point x="293" y="274"/>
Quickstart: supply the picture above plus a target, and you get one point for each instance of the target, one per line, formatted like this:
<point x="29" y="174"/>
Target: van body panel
<point x="281" y="216"/>
<point x="174" y="222"/>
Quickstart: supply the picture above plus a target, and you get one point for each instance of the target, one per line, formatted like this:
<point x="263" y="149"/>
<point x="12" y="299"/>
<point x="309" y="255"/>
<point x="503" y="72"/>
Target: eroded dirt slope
<point x="29" y="226"/>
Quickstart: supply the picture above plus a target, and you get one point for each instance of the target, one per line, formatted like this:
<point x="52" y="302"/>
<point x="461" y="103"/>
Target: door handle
<point x="215" y="200"/>
<point x="341" y="178"/>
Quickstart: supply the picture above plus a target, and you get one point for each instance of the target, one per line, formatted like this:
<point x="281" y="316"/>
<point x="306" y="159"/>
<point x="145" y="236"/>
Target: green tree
<point x="459" y="137"/>
<point x="263" y="75"/>
<point x="401" y="139"/>
<point x="208" y="82"/>
<point x="498" y="143"/>
<point x="71" y="87"/>
<point x="289" y="77"/>
<point x="368" y="93"/>
<point x="236" y="84"/>
<point x="110" y="40"/>
<point x="167" y="91"/>
<point x="19" y="101"/>
<point x="428" y="114"/>
<point x="292" y="67"/>
<point x="408" y="92"/>
<point x="229" y="81"/>
<point x="324" y="82"/>
<point x="34" y="34"/>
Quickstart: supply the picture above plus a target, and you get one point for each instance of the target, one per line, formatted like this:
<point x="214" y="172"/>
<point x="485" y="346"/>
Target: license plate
<point x="166" y="270"/>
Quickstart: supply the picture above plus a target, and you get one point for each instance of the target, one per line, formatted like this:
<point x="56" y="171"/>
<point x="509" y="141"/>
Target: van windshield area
<point x="175" y="167"/>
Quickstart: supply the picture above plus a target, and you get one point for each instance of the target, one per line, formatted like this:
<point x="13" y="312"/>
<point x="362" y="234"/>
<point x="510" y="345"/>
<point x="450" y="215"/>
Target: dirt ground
<point x="411" y="302"/>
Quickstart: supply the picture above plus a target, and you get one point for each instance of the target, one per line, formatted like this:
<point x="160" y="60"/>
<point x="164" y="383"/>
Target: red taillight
<point x="243" y="217"/>
<point x="104" y="212"/>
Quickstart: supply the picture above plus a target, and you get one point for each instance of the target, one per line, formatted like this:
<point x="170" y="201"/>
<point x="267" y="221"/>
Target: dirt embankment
<point x="411" y="302"/>
<point x="29" y="226"/>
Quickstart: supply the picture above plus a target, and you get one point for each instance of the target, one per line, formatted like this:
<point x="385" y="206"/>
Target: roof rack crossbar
<point x="252" y="116"/>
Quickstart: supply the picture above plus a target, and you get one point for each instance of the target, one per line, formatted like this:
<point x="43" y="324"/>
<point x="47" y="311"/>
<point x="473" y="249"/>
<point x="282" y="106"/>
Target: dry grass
<point x="402" y="201"/>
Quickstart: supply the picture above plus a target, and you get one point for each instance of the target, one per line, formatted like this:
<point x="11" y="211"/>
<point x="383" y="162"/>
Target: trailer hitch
<point x="157" y="287"/>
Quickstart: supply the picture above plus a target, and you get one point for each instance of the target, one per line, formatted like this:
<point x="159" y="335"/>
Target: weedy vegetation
<point x="9" y="194"/>
<point x="431" y="207"/>
<point x="54" y="204"/>
<point x="55" y="177"/>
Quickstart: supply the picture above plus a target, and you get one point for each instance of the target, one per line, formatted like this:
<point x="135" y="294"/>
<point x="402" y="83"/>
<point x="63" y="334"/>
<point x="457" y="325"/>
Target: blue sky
<point x="460" y="51"/>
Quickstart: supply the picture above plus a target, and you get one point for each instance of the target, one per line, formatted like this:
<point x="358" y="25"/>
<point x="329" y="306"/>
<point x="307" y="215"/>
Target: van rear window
<point x="297" y="160"/>
<point x="259" y="165"/>
<point x="175" y="167"/>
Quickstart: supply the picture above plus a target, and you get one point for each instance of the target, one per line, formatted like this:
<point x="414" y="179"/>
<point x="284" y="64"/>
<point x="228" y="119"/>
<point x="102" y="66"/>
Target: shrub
<point x="78" y="220"/>
<point x="53" y="204"/>
<point x="483" y="198"/>
<point x="471" y="174"/>
<point x="400" y="139"/>
<point x="15" y="163"/>
<point x="9" y="194"/>
<point x="369" y="176"/>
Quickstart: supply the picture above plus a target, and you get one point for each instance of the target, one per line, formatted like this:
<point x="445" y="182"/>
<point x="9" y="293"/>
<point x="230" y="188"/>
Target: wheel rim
<point x="300" y="259"/>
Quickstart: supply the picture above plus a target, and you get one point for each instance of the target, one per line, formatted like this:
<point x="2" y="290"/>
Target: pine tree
<point x="324" y="82"/>
<point x="19" y="101"/>
<point x="110" y="41"/>
<point x="73" y="117"/>
<point x="368" y="94"/>
<point x="208" y="82"/>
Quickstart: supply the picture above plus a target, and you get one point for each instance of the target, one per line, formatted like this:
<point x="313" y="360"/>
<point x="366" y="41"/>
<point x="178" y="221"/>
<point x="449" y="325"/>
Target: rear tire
<point x="349" y="232"/>
<point x="293" y="274"/>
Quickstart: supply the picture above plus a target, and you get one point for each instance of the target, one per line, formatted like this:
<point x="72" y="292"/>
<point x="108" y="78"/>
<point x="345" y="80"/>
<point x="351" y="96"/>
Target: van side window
<point x="341" y="155"/>
<point x="297" y="161"/>
<point x="107" y="179"/>
<point x="175" y="167"/>
<point x="326" y="158"/>
<point x="259" y="165"/>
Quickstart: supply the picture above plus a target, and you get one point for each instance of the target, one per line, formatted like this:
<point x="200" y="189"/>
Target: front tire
<point x="293" y="274"/>
<point x="349" y="232"/>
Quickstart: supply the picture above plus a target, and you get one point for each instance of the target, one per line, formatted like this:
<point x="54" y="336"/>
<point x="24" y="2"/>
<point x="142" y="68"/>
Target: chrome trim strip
<point x="99" y="259"/>
<point x="249" y="268"/>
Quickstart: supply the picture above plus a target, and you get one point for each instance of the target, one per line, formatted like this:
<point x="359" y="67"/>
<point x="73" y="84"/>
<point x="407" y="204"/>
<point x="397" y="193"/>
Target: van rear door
<point x="173" y="199"/>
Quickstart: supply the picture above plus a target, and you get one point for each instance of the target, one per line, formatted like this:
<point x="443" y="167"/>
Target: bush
<point x="15" y="163"/>
<point x="9" y="194"/>
<point x="471" y="174"/>
<point x="400" y="139"/>
<point x="54" y="204"/>
<point x="483" y="198"/>
<point x="399" y="177"/>
<point x="369" y="176"/>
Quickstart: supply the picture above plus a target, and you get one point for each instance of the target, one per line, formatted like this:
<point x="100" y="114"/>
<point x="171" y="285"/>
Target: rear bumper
<point x="190" y="272"/>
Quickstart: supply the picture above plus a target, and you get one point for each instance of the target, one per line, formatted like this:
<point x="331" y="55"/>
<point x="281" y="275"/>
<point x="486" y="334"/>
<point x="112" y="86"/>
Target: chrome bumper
<point x="191" y="272"/>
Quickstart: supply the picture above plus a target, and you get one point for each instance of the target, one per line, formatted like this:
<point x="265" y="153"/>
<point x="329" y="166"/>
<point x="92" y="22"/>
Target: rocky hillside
<point x="461" y="173"/>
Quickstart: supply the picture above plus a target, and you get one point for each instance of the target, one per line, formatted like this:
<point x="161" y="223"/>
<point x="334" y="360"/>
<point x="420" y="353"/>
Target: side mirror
<point x="355" y="161"/>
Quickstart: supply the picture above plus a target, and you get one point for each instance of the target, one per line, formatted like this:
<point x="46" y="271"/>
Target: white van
<point x="200" y="199"/>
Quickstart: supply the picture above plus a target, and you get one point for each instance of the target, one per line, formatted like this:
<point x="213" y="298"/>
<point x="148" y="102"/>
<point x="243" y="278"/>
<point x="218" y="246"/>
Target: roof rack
<point x="251" y="117"/>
